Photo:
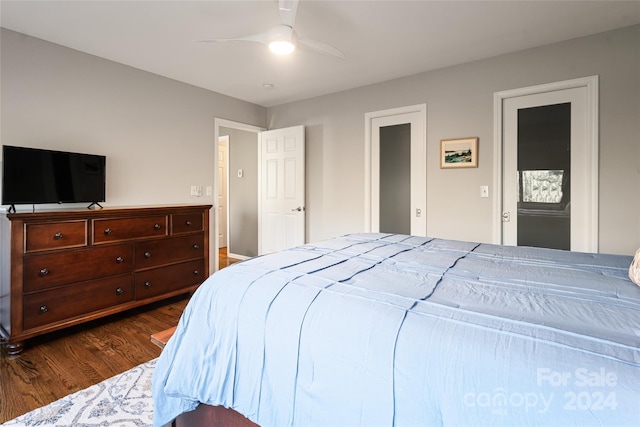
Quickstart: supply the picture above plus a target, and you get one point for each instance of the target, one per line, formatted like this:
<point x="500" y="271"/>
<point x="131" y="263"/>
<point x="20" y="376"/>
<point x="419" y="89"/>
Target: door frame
<point x="590" y="83"/>
<point x="369" y="161"/>
<point x="213" y="218"/>
<point x="225" y="138"/>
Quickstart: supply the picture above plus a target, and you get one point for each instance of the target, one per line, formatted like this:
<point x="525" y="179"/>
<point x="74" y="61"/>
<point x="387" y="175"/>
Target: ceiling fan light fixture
<point x="282" y="47"/>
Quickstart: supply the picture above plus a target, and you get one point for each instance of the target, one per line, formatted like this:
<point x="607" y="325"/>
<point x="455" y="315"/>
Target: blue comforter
<point x="393" y="330"/>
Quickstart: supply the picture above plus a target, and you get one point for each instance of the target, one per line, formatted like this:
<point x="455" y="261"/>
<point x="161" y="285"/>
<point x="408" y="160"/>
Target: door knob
<point x="298" y="209"/>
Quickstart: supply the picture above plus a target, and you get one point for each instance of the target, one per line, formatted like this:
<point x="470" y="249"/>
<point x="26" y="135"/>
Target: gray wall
<point x="157" y="133"/>
<point x="459" y="104"/>
<point x="243" y="192"/>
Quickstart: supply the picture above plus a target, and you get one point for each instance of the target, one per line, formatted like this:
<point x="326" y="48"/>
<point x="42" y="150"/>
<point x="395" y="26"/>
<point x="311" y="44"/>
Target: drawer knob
<point x="156" y="227"/>
<point x="107" y="231"/>
<point x="57" y="236"/>
<point x="147" y="254"/>
<point x="196" y="246"/>
<point x="43" y="309"/>
<point x="119" y="291"/>
<point x="147" y="285"/>
<point x="188" y="223"/>
<point x="196" y="272"/>
<point x="43" y="272"/>
<point x="119" y="260"/>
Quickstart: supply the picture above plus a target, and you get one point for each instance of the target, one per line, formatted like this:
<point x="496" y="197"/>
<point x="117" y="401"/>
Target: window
<point x="541" y="189"/>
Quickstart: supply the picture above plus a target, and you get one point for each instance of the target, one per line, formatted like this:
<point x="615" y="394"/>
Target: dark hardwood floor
<point x="224" y="260"/>
<point x="63" y="362"/>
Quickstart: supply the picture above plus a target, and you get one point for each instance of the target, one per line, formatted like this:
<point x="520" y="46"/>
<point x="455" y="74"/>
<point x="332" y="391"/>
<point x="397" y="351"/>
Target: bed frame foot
<point x="212" y="416"/>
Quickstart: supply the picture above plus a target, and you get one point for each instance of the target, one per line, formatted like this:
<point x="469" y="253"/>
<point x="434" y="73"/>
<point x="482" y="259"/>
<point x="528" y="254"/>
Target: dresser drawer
<point x="114" y="230"/>
<point x="162" y="280"/>
<point x="187" y="222"/>
<point x="59" y="304"/>
<point x="55" y="235"/>
<point x="44" y="271"/>
<point x="152" y="253"/>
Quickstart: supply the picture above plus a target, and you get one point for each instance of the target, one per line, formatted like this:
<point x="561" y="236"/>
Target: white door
<point x="223" y="161"/>
<point x="281" y="222"/>
<point x="549" y="171"/>
<point x="383" y="192"/>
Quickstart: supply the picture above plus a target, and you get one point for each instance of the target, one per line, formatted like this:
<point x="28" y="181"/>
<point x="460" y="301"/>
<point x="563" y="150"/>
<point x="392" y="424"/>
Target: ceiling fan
<point x="282" y="39"/>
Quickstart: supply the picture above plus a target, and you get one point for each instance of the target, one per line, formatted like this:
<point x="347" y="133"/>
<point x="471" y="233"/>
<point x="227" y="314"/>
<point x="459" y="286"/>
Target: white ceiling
<point x="382" y="40"/>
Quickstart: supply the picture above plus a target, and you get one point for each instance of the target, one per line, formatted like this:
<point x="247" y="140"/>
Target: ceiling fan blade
<point x="322" y="47"/>
<point x="259" y="38"/>
<point x="288" y="9"/>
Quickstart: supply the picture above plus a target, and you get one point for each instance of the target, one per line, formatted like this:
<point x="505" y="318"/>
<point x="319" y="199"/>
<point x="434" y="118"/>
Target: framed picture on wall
<point x="459" y="153"/>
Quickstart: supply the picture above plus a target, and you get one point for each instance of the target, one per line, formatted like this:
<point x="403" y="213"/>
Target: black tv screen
<point x="35" y="176"/>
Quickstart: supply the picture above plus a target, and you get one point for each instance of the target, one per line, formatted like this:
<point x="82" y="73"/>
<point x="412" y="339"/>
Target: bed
<point x="396" y="330"/>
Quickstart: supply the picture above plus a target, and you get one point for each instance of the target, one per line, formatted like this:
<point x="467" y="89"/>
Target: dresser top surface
<point x="54" y="214"/>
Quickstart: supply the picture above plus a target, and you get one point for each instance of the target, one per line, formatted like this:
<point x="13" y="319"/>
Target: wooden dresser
<point x="69" y="267"/>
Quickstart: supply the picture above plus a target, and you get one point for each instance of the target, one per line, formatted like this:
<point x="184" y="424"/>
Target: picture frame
<point x="459" y="153"/>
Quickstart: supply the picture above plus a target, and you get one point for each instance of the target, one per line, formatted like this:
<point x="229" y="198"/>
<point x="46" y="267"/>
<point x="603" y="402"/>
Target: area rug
<point x="121" y="401"/>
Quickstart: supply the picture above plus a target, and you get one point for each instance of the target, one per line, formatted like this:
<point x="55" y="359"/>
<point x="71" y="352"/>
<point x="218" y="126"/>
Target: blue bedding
<point x="394" y="330"/>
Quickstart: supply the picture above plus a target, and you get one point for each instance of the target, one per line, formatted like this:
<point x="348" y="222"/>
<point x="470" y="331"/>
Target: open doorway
<point x="224" y="260"/>
<point x="223" y="188"/>
<point x="235" y="232"/>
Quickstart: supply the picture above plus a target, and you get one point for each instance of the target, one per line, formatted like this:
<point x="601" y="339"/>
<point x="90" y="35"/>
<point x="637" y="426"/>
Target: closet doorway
<point x="547" y="165"/>
<point x="396" y="170"/>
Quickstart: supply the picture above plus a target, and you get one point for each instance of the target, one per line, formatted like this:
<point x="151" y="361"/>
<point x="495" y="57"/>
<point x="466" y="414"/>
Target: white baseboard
<point x="236" y="256"/>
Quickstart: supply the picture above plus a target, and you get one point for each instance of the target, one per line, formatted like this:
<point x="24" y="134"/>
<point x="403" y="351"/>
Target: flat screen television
<point x="36" y="176"/>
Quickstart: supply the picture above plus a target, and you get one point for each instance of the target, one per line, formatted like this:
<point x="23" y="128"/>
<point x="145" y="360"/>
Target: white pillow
<point x="634" y="269"/>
